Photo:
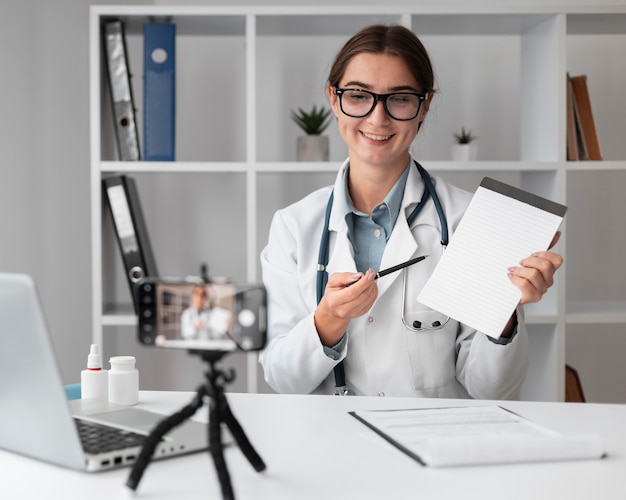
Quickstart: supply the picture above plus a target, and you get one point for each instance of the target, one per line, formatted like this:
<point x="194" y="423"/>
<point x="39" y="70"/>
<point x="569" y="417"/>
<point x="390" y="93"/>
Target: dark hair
<point x="394" y="40"/>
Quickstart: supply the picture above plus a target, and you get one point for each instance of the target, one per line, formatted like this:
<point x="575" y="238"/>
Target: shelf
<point x="119" y="315"/>
<point x="140" y="167"/>
<point x="541" y="313"/>
<point x="612" y="23"/>
<point x="596" y="312"/>
<point x="500" y="71"/>
<point x="532" y="319"/>
<point x="477" y="23"/>
<point x="595" y="166"/>
<point x="121" y="319"/>
<point x="332" y="166"/>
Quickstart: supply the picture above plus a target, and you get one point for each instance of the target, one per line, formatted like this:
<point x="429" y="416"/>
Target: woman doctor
<point x="373" y="337"/>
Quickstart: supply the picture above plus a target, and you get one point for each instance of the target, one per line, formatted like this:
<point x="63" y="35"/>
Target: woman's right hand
<point x="347" y="296"/>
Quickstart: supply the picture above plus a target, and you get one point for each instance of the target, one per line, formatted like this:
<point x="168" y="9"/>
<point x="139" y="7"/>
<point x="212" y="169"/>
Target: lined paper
<point x="502" y="226"/>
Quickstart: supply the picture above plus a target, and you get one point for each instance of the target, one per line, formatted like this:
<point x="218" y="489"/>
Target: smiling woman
<point x="348" y="329"/>
<point x="378" y="137"/>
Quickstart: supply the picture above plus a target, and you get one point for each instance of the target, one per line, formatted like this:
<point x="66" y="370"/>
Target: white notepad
<point x="502" y="226"/>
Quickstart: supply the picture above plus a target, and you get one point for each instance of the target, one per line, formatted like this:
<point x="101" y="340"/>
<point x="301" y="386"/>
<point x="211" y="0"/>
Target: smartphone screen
<point x="213" y="316"/>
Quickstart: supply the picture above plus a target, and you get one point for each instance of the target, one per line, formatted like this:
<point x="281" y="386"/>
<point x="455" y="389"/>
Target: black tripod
<point x="219" y="411"/>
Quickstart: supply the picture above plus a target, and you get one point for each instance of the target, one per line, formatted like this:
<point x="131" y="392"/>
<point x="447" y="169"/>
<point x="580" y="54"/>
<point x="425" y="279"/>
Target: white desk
<point x="315" y="450"/>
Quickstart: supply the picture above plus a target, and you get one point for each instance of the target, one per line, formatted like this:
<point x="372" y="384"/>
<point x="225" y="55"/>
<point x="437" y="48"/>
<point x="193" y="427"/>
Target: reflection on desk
<point x="315" y="450"/>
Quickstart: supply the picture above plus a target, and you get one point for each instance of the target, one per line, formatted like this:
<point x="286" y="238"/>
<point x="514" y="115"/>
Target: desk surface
<point x="315" y="450"/>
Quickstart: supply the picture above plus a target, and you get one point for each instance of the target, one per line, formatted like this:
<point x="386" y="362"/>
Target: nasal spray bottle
<point x="94" y="381"/>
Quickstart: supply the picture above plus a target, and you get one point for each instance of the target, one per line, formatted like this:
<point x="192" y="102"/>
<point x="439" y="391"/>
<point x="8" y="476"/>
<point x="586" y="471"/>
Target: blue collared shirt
<point x="369" y="234"/>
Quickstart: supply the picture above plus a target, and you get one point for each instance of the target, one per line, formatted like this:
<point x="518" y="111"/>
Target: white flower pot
<point x="313" y="148"/>
<point x="463" y="152"/>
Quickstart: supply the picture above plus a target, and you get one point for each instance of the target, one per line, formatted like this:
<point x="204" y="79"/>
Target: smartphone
<point x="217" y="316"/>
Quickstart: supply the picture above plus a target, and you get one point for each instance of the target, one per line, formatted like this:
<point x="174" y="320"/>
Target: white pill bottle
<point x="123" y="381"/>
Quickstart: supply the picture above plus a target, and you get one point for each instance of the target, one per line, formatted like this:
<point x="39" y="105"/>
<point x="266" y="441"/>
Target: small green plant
<point x="465" y="136"/>
<point x="312" y="122"/>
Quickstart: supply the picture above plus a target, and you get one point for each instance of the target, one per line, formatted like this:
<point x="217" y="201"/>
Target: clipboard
<point x="476" y="435"/>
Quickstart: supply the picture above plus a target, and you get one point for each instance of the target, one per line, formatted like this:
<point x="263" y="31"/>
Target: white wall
<point x="44" y="172"/>
<point x="44" y="203"/>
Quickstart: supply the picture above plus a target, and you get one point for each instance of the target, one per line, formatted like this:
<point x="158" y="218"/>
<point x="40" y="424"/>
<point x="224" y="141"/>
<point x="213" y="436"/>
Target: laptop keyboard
<point x="98" y="438"/>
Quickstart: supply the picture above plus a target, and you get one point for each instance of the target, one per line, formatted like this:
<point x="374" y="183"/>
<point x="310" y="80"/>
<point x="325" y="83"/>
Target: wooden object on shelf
<point x="572" y="132"/>
<point x="573" y="387"/>
<point x="584" y="114"/>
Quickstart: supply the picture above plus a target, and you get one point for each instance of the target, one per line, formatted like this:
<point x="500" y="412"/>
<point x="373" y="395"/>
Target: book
<point x="121" y="91"/>
<point x="476" y="435"/>
<point x="131" y="231"/>
<point x="572" y="135"/>
<point x="584" y="114"/>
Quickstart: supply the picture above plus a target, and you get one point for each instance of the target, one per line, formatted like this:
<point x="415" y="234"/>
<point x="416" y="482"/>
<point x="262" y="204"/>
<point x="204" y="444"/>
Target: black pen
<point x="393" y="269"/>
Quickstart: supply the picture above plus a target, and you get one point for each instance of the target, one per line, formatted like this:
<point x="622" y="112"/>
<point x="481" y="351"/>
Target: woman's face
<point x="377" y="139"/>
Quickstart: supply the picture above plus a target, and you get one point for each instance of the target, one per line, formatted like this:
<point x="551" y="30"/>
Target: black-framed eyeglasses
<point x="401" y="106"/>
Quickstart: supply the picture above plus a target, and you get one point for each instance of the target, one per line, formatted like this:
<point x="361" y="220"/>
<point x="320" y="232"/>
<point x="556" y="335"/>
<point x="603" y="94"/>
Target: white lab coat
<point x="214" y="323"/>
<point x="381" y="356"/>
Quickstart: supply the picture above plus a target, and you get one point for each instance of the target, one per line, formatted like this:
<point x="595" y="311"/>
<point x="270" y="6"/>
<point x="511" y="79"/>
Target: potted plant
<point x="313" y="146"/>
<point x="463" y="148"/>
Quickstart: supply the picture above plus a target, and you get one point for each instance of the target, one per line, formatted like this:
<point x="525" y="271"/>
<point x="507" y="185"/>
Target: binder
<point x="119" y="78"/>
<point x="585" y="116"/>
<point x="130" y="229"/>
<point x="159" y="91"/>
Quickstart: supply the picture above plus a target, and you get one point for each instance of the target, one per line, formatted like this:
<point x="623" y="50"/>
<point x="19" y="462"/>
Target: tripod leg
<point x="216" y="448"/>
<point x="238" y="433"/>
<point x="219" y="412"/>
<point x="152" y="441"/>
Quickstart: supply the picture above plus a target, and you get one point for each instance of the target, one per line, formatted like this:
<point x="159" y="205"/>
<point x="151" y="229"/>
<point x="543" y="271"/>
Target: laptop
<point x="38" y="421"/>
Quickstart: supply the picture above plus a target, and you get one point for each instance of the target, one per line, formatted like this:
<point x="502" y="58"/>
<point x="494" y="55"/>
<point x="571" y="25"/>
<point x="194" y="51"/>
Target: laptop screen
<point x="35" y="419"/>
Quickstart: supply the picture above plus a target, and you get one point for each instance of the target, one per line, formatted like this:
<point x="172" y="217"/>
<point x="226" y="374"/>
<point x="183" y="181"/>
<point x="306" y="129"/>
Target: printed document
<point x="475" y="435"/>
<point x="502" y="226"/>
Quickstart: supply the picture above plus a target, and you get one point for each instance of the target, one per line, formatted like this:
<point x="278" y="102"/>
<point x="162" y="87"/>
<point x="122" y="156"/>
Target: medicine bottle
<point x="123" y="381"/>
<point x="94" y="381"/>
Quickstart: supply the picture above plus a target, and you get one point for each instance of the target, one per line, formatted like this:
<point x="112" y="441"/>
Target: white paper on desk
<point x="502" y="226"/>
<point x="475" y="435"/>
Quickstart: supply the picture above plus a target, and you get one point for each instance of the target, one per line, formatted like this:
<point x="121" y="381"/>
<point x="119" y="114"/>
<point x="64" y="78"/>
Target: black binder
<point x="122" y="197"/>
<point x="119" y="75"/>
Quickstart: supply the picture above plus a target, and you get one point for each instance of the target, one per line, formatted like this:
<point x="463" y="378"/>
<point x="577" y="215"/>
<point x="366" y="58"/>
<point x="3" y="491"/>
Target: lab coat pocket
<point x="431" y="352"/>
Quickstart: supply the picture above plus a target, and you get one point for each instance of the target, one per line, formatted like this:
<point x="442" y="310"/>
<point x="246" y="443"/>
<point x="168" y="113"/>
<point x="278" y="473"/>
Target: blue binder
<point x="159" y="110"/>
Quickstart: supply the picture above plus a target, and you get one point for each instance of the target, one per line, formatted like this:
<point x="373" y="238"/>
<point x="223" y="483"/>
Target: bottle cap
<point x="94" y="361"/>
<point x="122" y="362"/>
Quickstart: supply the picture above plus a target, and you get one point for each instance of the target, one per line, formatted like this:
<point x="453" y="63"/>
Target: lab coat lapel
<point x="400" y="248"/>
<point x="402" y="245"/>
<point x="341" y="254"/>
<point x="341" y="258"/>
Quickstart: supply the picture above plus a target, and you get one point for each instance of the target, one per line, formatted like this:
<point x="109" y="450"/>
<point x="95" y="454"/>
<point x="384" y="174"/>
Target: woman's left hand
<point x="535" y="274"/>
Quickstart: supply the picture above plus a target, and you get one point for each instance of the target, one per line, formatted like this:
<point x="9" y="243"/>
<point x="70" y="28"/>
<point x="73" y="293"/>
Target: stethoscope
<point x="322" y="262"/>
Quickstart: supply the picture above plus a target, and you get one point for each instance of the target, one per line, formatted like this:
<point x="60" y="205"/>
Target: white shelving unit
<point x="241" y="69"/>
